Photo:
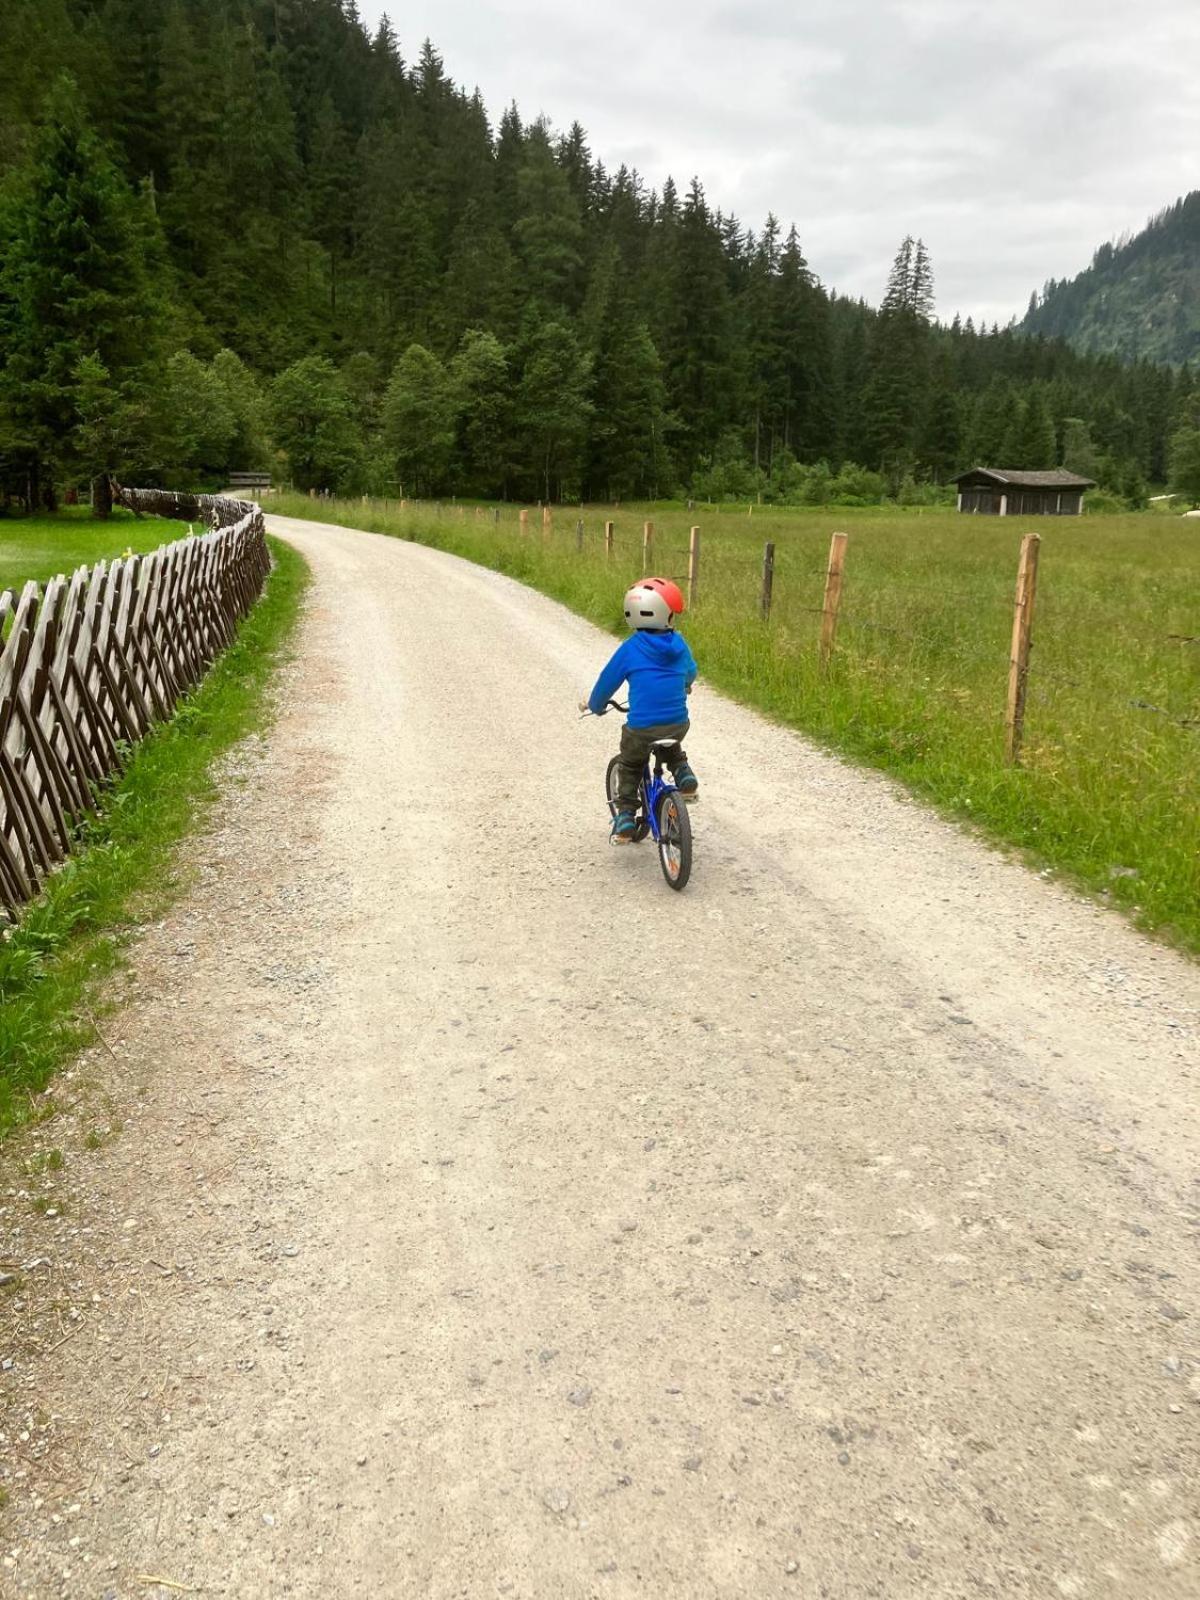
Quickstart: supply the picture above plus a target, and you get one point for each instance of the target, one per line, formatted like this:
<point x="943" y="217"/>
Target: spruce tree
<point x="698" y="293"/>
<point x="896" y="394"/>
<point x="1079" y="453"/>
<point x="330" y="190"/>
<point x="1035" y="448"/>
<point x="548" y="232"/>
<point x="75" y="287"/>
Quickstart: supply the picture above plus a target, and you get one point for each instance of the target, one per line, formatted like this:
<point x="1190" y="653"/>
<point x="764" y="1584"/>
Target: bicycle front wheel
<point x="674" y="839"/>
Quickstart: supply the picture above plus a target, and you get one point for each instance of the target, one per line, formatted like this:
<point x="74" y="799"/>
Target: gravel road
<point x="472" y="1216"/>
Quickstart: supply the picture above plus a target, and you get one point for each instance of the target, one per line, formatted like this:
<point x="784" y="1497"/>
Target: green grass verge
<point x="41" y="547"/>
<point x="1107" y="790"/>
<point x="54" y="966"/>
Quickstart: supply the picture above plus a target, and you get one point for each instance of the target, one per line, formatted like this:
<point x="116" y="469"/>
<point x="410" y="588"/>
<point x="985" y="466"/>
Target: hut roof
<point x="1056" y="478"/>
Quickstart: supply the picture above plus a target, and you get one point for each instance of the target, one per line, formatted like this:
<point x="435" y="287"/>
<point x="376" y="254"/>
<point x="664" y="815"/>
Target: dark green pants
<point x="635" y="749"/>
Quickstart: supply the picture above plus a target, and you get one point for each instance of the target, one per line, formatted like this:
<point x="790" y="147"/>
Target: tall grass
<point x="55" y="965"/>
<point x="1107" y="792"/>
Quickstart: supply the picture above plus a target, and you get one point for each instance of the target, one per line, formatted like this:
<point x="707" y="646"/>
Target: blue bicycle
<point x="662" y="812"/>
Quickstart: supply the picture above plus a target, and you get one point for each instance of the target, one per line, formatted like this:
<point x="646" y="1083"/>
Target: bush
<point x="856" y="486"/>
<point x="1099" y="502"/>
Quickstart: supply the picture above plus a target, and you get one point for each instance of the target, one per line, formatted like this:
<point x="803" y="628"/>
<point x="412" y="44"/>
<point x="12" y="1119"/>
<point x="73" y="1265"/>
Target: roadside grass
<point x="1107" y="791"/>
<point x="56" y="963"/>
<point x="40" y="547"/>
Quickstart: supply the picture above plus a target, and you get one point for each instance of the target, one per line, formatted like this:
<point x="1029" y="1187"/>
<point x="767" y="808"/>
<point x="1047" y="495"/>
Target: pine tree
<point x="330" y="189"/>
<point x="1079" y="453"/>
<point x="803" y="360"/>
<point x="479" y="286"/>
<point x="628" y="452"/>
<point x="700" y="351"/>
<point x="1035" y="447"/>
<point x="575" y="159"/>
<point x="548" y="232"/>
<point x="942" y="447"/>
<point x="510" y="155"/>
<point x="398" y="251"/>
<point x="896" y="394"/>
<point x="920" y="301"/>
<point x="75" y="287"/>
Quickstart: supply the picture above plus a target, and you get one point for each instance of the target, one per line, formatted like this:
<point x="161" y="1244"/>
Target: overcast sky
<point x="1014" y="136"/>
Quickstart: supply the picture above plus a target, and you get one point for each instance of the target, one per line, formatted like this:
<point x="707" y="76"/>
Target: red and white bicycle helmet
<point x="653" y="604"/>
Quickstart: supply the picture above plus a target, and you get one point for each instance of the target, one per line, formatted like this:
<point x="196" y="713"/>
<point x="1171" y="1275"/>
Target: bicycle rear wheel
<point x="612" y="788"/>
<point x="674" y="839"/>
<point x="612" y="783"/>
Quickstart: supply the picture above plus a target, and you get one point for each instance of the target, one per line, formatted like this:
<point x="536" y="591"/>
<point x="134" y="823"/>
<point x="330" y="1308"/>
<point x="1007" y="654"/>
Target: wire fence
<point x="736" y="577"/>
<point x="89" y="664"/>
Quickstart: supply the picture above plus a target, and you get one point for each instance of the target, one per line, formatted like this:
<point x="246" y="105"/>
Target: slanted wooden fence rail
<point x="89" y="664"/>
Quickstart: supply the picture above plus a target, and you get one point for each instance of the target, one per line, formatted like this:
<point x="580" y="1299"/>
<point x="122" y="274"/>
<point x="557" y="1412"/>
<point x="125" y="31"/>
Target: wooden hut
<point x="997" y="492"/>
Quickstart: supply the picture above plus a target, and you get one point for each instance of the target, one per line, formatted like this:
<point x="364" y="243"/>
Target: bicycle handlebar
<point x="586" y="711"/>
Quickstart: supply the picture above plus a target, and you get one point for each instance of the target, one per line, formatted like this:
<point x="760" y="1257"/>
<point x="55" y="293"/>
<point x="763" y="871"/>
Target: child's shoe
<point x="624" y="828"/>
<point x="686" y="781"/>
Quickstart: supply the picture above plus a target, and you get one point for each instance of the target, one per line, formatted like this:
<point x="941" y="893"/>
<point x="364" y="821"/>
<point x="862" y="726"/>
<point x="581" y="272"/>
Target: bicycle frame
<point x="654" y="786"/>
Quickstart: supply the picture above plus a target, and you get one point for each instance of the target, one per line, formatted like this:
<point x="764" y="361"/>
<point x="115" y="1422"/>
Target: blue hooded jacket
<point x="660" y="670"/>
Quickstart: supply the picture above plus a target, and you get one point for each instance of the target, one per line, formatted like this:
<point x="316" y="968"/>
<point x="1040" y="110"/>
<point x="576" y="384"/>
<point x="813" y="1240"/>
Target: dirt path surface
<point x="489" y="1221"/>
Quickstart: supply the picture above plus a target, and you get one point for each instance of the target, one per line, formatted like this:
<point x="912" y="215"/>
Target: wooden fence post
<point x="833" y="598"/>
<point x="647" y="546"/>
<point x="768" y="580"/>
<point x="1018" y="663"/>
<point x="693" y="565"/>
<point x="579" y="536"/>
<point x="608" y="541"/>
<point x="524" y="520"/>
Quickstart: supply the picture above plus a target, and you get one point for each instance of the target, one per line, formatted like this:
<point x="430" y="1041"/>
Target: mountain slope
<point x="1139" y="297"/>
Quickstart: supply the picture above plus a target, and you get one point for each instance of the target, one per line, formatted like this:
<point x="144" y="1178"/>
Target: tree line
<point x="241" y="232"/>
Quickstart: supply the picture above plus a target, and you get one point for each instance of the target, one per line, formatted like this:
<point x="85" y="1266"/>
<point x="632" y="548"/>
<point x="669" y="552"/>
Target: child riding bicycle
<point x="660" y="671"/>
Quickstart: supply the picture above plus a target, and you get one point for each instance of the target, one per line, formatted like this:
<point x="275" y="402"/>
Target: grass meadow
<point x="40" y="547"/>
<point x="1108" y="785"/>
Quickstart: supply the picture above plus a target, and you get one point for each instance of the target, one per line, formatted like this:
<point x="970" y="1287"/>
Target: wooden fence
<point x="653" y="551"/>
<point x="89" y="664"/>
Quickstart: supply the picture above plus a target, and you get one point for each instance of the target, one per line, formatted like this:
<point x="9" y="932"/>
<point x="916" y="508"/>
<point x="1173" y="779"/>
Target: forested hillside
<point x="1138" y="299"/>
<point x="236" y="232"/>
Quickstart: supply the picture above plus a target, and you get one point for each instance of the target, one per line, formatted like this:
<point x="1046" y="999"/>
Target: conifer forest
<point x="250" y="233"/>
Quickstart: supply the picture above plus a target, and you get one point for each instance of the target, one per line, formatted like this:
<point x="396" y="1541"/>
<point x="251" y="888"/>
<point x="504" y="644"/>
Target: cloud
<point x="1013" y="137"/>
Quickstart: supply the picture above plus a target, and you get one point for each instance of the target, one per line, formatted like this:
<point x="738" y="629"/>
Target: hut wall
<point x="1012" y="501"/>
